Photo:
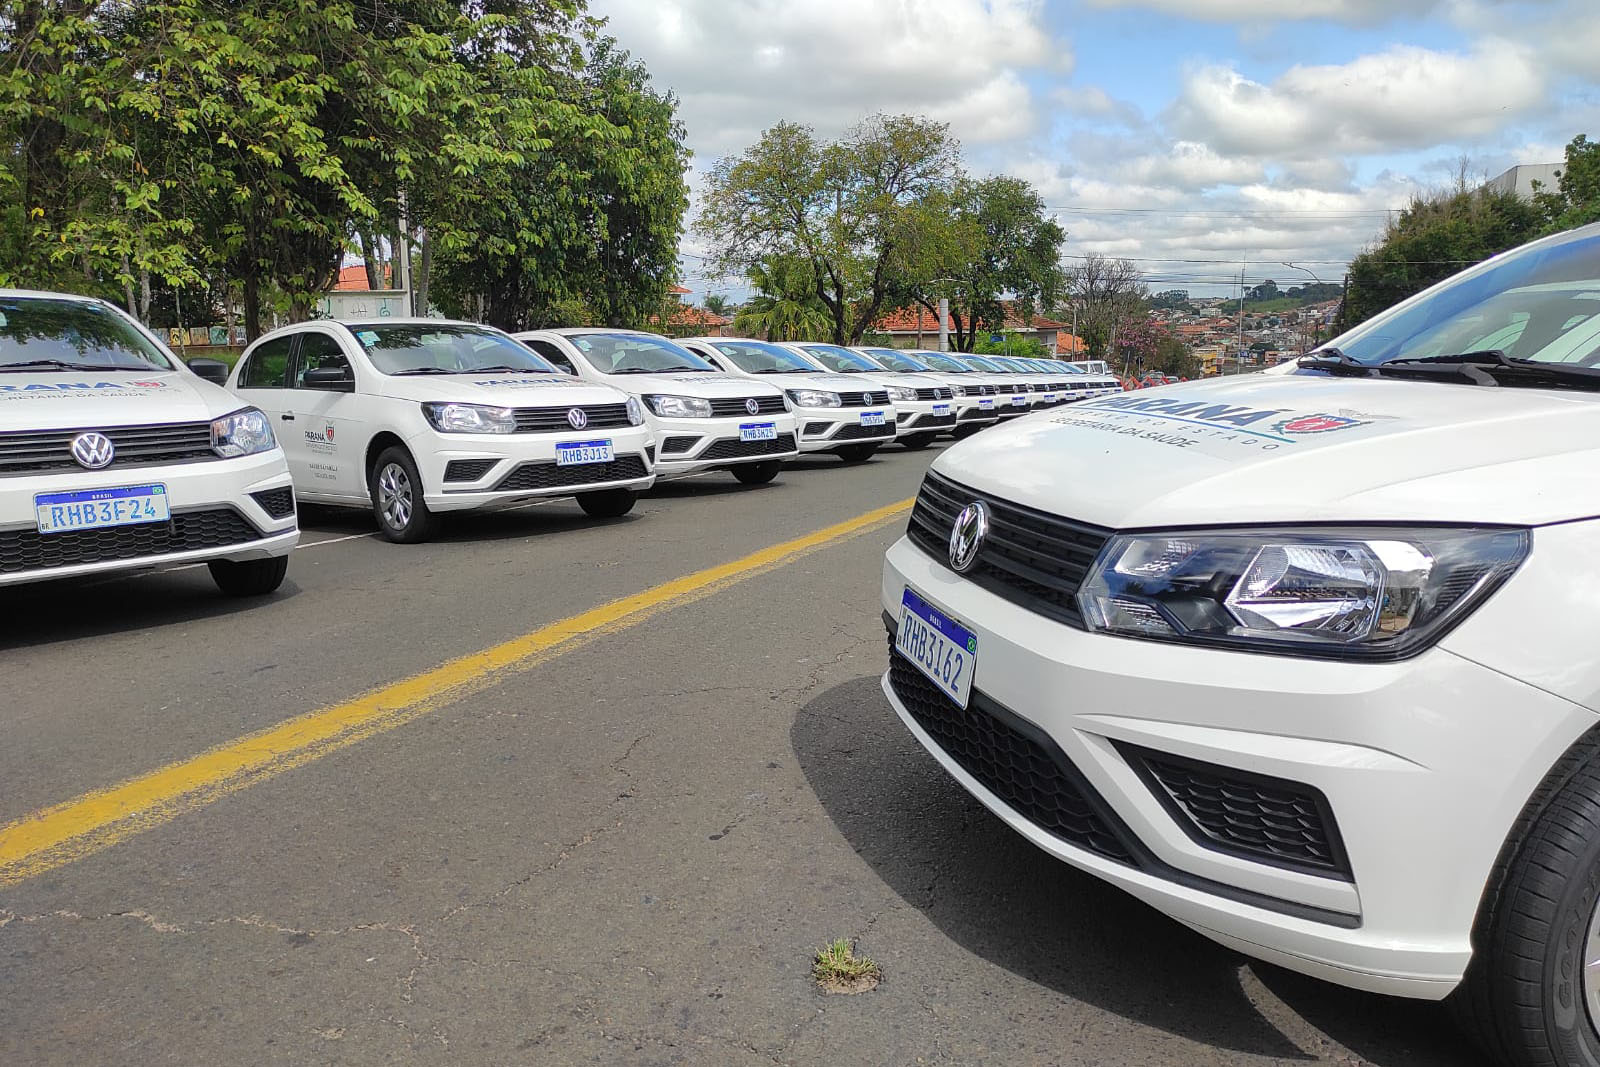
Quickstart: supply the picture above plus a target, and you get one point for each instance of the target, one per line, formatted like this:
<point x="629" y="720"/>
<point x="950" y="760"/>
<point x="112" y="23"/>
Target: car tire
<point x="249" y="577"/>
<point x="1526" y="997"/>
<point x="403" y="516"/>
<point x="916" y="441"/>
<point x="857" y="453"/>
<point x="961" y="433"/>
<point x="757" y="473"/>
<point x="607" y="503"/>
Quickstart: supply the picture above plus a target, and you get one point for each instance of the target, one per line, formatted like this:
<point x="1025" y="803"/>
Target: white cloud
<point x="1401" y="98"/>
<point x="1349" y="11"/>
<point x="1093" y="102"/>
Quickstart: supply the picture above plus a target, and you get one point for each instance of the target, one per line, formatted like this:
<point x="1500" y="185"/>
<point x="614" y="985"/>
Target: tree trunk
<point x="144" y="294"/>
<point x="424" y="269"/>
<point x="369" y="256"/>
<point x="252" y="305"/>
<point x="127" y="286"/>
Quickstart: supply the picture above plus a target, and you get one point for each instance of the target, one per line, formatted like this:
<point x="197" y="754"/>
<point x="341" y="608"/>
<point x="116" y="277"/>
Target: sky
<point x="1199" y="138"/>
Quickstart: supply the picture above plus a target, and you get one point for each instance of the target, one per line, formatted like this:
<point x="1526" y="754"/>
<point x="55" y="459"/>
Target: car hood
<point x="503" y="390"/>
<point x="1298" y="449"/>
<point x="61" y="400"/>
<point x="832" y="383"/>
<point x="710" y="386"/>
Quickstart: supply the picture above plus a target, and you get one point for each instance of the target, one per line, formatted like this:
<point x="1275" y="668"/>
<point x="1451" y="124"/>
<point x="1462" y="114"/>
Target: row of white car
<point x="118" y="455"/>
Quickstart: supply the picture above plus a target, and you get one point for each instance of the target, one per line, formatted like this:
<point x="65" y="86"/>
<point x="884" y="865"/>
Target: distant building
<point x="1520" y="179"/>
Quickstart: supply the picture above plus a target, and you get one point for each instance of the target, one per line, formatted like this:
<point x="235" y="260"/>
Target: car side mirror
<point x="212" y="370"/>
<point x="334" y="379"/>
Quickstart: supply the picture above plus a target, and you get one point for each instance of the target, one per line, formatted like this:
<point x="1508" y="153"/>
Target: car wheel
<point x="961" y="433"/>
<point x="397" y="504"/>
<point x="607" y="503"/>
<point x="916" y="441"/>
<point x="249" y="577"/>
<point x="857" y="453"/>
<point x="757" y="473"/>
<point x="1531" y="995"/>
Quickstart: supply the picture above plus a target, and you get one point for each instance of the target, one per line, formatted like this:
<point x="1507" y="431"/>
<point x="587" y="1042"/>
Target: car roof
<point x="46" y="294"/>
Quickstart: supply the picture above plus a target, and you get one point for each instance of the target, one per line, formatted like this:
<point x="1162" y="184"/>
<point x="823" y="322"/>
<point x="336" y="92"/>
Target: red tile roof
<point x="1068" y="344"/>
<point x="678" y="290"/>
<point x="355" y="277"/>
<point x="689" y="315"/>
<point x="904" y="320"/>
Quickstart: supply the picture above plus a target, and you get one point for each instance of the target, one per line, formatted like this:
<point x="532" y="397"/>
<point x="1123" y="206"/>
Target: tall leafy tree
<point x="1106" y="294"/>
<point x="785" y="306"/>
<point x="1575" y="201"/>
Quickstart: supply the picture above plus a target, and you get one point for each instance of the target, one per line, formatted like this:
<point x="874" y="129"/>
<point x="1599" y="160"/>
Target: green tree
<point x="1106" y="294"/>
<point x="785" y="306"/>
<point x="848" y="209"/>
<point x="1576" y="198"/>
<point x="717" y="304"/>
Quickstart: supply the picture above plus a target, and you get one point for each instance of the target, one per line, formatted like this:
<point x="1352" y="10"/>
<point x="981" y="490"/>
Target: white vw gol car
<point x="417" y="417"/>
<point x="114" y="456"/>
<point x="834" y="411"/>
<point x="1306" y="662"/>
<point x="703" y="419"/>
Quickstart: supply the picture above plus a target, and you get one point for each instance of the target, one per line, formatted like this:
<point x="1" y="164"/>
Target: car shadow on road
<point x="995" y="895"/>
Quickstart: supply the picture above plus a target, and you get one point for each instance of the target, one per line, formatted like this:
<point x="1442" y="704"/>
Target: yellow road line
<point x="63" y="833"/>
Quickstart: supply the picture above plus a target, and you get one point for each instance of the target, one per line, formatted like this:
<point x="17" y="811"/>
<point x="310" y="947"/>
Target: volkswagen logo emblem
<point x="753" y="406"/>
<point x="966" y="537"/>
<point x="578" y="417"/>
<point x="93" y="450"/>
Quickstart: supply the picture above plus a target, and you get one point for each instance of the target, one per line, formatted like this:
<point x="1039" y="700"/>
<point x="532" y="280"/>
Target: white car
<point x="418" y="417"/>
<point x="980" y="396"/>
<point x="115" y="456"/>
<point x="703" y="419"/>
<point x="1015" y="396"/>
<point x="1306" y="662"/>
<point x="832" y="410"/>
<point x="923" y="406"/>
<point x="1101" y="381"/>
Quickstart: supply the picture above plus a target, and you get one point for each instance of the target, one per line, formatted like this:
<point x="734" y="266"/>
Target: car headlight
<point x="243" y="433"/>
<point x="635" y="412"/>
<point x="469" y="418"/>
<point x="897" y="392"/>
<point x="1379" y="593"/>
<point x="679" y="407"/>
<point x="813" y="398"/>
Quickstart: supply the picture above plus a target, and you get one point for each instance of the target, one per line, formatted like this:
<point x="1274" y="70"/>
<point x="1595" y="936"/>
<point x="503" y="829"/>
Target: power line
<point x="1231" y="213"/>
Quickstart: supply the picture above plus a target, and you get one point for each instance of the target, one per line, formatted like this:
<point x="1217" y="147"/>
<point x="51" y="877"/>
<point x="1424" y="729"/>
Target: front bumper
<point x="1398" y="750"/>
<point x="926" y="416"/>
<point x="828" y="429"/>
<point x="463" y="473"/>
<point x="689" y="446"/>
<point x="220" y="510"/>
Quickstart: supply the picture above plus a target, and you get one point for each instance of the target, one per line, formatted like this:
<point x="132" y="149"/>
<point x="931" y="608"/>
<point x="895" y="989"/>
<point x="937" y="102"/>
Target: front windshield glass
<point x="1540" y="303"/>
<point x="49" y="334"/>
<point x="896" y="361"/>
<point x="841" y="360"/>
<point x="637" y="353"/>
<point x="758" y="357"/>
<point x="1011" y="365"/>
<point x="445" y="349"/>
<point x="986" y="364"/>
<point x="944" y="363"/>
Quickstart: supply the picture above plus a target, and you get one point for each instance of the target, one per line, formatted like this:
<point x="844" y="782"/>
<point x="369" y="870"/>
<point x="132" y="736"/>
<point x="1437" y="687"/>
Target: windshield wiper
<point x="502" y="368"/>
<point x="1334" y="361"/>
<point x="1491" y="366"/>
<point x="63" y="364"/>
<point x="426" y="370"/>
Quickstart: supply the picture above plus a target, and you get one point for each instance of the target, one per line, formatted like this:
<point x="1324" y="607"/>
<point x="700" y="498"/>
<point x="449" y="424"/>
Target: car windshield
<point x="944" y="363"/>
<point x="55" y="334"/>
<point x="985" y="364"/>
<point x="896" y="361"/>
<point x="841" y="360"/>
<point x="758" y="357"/>
<point x="445" y="349"/>
<point x="637" y="353"/>
<point x="1540" y="303"/>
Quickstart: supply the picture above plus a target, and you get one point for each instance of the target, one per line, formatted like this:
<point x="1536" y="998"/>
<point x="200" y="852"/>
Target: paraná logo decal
<point x="1319" y="423"/>
<point x="72" y="387"/>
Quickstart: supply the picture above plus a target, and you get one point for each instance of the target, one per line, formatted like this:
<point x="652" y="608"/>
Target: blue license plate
<point x="872" y="418"/>
<point x="941" y="409"/>
<point x="128" y="505"/>
<point x="758" y="431"/>
<point x="940" y="647"/>
<point x="579" y="452"/>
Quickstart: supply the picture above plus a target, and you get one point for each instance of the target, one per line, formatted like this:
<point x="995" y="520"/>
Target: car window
<point x="268" y="366"/>
<point x="841" y="360"/>
<point x="895" y="361"/>
<point x="637" y="353"/>
<point x="552" y="354"/>
<point x="943" y="363"/>
<point x="445" y="348"/>
<point x="758" y="357"/>
<point x="318" y="351"/>
<point x="79" y="333"/>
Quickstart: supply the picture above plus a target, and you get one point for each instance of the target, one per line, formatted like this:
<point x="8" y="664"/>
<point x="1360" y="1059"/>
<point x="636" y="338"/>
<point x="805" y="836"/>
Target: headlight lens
<point x="897" y="392"/>
<point x="243" y="433"/>
<point x="679" y="407"/>
<point x="469" y="418"/>
<point x="635" y="412"/>
<point x="1376" y="593"/>
<point x="813" y="398"/>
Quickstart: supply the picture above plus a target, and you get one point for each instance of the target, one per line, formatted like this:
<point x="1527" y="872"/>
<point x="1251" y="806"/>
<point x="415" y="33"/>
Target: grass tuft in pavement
<point x="838" y="969"/>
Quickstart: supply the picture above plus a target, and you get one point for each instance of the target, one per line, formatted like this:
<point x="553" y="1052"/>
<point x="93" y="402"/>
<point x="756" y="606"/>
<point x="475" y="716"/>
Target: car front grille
<point x="555" y="420"/>
<point x="1031" y="558"/>
<point x="857" y="432"/>
<point x="547" y="475"/>
<point x="733" y="448"/>
<point x="1013" y="759"/>
<point x="723" y="407"/>
<point x="30" y="550"/>
<point x="976" y="415"/>
<point x="279" y="503"/>
<point x="977" y="390"/>
<point x="467" y="470"/>
<point x="935" y="394"/>
<point x="1269" y="820"/>
<point x="864" y="400"/>
<point x="40" y="450"/>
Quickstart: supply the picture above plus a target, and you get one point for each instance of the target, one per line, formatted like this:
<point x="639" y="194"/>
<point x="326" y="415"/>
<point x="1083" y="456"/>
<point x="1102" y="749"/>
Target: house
<point x="1520" y="179"/>
<point x="917" y="327"/>
<point x="1070" y="346"/>
<point x="687" y="320"/>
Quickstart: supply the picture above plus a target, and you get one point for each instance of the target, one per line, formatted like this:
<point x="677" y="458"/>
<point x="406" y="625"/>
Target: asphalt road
<point x="623" y="852"/>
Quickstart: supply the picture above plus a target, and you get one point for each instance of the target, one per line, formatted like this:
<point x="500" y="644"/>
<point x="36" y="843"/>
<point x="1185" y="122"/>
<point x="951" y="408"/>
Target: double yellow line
<point x="76" y="828"/>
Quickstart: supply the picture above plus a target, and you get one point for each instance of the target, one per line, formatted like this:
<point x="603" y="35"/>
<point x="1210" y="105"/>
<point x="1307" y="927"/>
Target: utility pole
<point x="944" y="324"/>
<point x="1240" y="356"/>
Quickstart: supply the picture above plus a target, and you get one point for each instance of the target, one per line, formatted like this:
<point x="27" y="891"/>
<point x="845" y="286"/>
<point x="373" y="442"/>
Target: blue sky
<point x="1197" y="137"/>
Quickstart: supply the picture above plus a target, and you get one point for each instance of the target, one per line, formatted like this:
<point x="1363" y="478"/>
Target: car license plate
<point x="1049" y="398"/>
<point x="758" y="431"/>
<point x="986" y="405"/>
<point x="579" y="452"/>
<point x="1019" y="401"/>
<point x="872" y="418"/>
<point x="93" y="508"/>
<point x="941" y="409"/>
<point x="942" y="648"/>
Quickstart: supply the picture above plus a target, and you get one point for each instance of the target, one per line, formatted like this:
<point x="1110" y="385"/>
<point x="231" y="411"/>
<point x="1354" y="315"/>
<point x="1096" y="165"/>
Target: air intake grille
<point x="533" y="476"/>
<point x="863" y="433"/>
<point x="279" y="503"/>
<point x="29" y="550"/>
<point x="731" y="448"/>
<point x="467" y="470"/>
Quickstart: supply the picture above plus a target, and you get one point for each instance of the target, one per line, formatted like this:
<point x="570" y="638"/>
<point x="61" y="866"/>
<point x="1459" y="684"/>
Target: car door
<point x="327" y="434"/>
<point x="263" y="381"/>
